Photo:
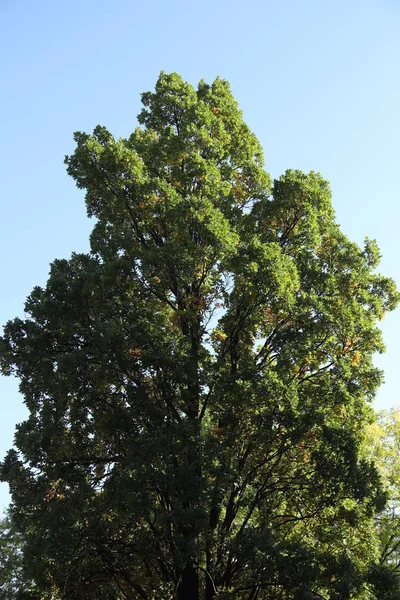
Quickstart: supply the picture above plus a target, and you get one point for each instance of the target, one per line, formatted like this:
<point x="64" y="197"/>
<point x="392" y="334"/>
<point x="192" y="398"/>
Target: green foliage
<point x="198" y="384"/>
<point x="382" y="443"/>
<point x="13" y="583"/>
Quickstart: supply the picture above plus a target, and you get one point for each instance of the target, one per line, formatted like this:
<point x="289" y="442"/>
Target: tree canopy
<point x="200" y="382"/>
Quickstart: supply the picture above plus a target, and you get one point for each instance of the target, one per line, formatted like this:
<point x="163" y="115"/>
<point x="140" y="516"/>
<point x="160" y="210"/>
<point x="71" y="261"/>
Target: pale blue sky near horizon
<point x="318" y="82"/>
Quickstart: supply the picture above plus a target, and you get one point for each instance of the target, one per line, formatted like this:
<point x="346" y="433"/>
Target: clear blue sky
<point x="319" y="83"/>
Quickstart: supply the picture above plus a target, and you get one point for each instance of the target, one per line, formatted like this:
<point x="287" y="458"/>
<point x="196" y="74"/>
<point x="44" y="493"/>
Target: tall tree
<point x="198" y="384"/>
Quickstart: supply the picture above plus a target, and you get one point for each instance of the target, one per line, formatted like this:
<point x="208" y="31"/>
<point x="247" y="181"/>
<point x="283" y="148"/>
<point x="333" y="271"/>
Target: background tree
<point x="382" y="443"/>
<point x="13" y="583"/>
<point x="198" y="384"/>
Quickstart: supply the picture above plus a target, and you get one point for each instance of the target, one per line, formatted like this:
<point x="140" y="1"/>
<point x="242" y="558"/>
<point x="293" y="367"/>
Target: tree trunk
<point x="189" y="585"/>
<point x="188" y="588"/>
